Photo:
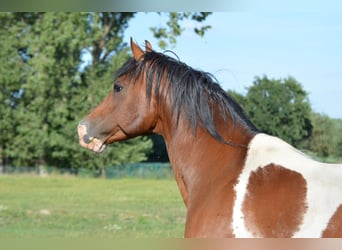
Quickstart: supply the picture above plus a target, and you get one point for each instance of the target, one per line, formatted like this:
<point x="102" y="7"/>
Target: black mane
<point x="195" y="92"/>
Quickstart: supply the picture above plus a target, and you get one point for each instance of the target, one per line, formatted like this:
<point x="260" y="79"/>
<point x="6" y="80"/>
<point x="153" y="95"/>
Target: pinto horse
<point x="235" y="181"/>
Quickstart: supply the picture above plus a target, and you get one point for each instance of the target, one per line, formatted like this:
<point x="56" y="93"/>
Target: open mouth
<point x="96" y="145"/>
<point x="92" y="143"/>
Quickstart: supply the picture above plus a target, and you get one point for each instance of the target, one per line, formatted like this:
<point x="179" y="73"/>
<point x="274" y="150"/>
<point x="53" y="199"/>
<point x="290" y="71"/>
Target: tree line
<point x="281" y="107"/>
<point x="47" y="85"/>
<point x="54" y="68"/>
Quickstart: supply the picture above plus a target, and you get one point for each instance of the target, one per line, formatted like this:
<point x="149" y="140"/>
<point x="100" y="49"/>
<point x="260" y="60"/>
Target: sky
<point x="243" y="45"/>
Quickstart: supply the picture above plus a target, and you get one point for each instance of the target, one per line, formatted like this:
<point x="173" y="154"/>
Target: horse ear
<point x="136" y="50"/>
<point x="148" y="46"/>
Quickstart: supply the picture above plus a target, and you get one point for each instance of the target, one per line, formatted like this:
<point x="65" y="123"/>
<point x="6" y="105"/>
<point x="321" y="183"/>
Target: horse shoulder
<point x="279" y="184"/>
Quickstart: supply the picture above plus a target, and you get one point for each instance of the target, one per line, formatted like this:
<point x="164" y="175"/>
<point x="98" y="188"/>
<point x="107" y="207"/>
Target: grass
<point x="71" y="207"/>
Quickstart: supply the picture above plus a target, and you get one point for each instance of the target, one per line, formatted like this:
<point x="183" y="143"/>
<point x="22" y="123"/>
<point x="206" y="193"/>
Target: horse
<point x="235" y="181"/>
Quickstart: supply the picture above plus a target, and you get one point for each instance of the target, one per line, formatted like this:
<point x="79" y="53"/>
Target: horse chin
<point x="95" y="145"/>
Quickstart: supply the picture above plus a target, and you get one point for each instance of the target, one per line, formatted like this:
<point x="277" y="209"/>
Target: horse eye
<point x="117" y="88"/>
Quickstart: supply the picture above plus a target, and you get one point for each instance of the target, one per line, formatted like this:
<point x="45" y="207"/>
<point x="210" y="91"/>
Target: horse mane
<point x="195" y="92"/>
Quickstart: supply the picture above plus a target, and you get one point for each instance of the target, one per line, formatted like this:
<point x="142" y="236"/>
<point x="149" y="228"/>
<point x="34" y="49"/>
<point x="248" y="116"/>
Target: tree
<point x="280" y="108"/>
<point x="321" y="141"/>
<point x="169" y="33"/>
<point x="338" y="148"/>
<point x="159" y="150"/>
<point x="46" y="87"/>
<point x="326" y="138"/>
<point x="12" y="71"/>
<point x="338" y="137"/>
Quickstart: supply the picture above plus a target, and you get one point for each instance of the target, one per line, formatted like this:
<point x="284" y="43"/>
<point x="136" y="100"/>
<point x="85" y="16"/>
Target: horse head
<point x="126" y="112"/>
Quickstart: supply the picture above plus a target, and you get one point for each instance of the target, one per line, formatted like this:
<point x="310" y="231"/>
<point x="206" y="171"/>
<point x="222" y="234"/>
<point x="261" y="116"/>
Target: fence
<point x="140" y="170"/>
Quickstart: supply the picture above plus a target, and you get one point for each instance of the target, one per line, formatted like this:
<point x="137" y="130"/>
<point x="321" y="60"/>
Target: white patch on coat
<point x="324" y="184"/>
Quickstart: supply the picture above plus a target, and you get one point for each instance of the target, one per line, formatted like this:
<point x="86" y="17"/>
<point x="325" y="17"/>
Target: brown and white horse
<point x="235" y="181"/>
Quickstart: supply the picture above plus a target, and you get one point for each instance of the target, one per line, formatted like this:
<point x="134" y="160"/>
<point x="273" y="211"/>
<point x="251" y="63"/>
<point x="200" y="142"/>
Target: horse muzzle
<point x="92" y="143"/>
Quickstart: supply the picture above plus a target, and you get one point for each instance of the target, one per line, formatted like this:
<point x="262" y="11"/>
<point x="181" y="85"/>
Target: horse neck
<point x="199" y="160"/>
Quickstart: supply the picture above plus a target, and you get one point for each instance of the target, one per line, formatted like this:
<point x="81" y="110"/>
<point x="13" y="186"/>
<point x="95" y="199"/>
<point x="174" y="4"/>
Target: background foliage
<point x="46" y="87"/>
<point x="281" y="107"/>
<point x="55" y="67"/>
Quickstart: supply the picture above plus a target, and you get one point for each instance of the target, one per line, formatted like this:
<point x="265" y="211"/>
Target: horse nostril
<point x="83" y="132"/>
<point x="86" y="138"/>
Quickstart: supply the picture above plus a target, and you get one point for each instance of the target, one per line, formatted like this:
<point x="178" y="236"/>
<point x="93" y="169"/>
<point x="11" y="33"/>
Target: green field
<point x="71" y="207"/>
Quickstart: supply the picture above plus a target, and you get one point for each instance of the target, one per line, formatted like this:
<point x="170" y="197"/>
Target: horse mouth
<point x="95" y="145"/>
<point x="92" y="143"/>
